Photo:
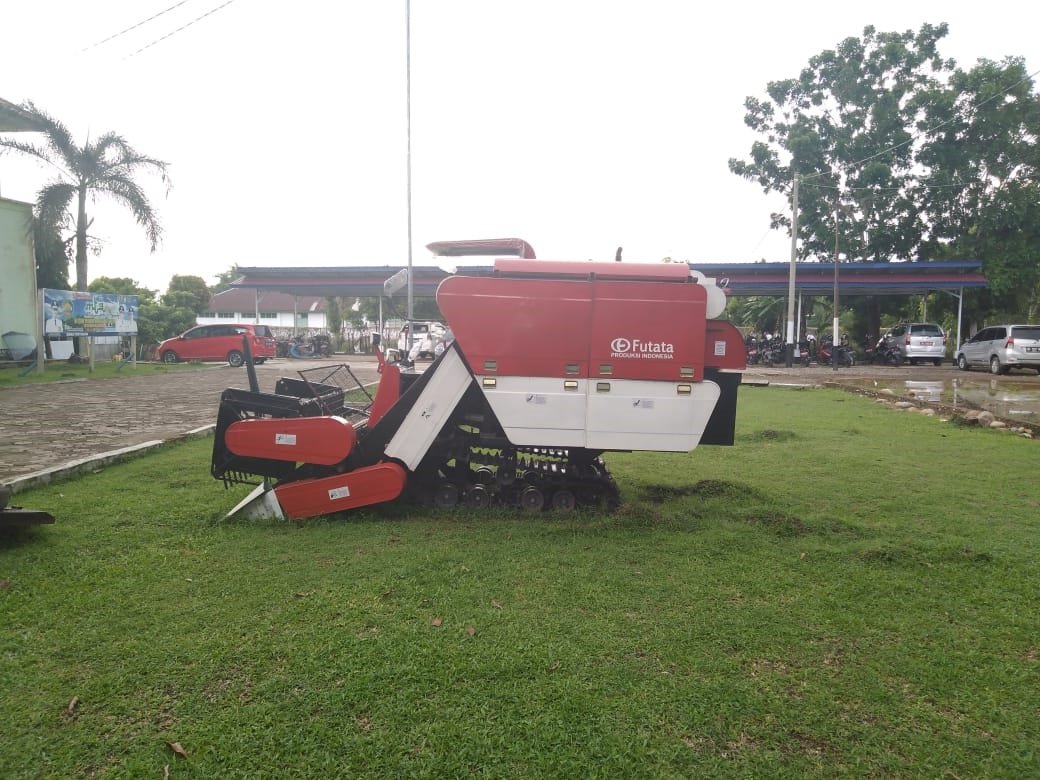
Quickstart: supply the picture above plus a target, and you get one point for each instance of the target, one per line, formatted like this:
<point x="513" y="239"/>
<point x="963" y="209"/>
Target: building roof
<point x="244" y="300"/>
<point x="14" y="120"/>
<point x="350" y="282"/>
<point x="811" y="278"/>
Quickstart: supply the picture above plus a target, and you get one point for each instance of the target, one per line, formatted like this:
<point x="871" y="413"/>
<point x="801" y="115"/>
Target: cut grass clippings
<point x="840" y="594"/>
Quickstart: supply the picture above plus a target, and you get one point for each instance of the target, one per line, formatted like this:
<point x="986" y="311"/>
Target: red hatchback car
<point x="219" y="342"/>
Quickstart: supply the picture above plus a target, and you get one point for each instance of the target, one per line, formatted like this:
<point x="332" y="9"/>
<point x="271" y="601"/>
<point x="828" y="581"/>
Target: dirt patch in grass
<point x="770" y="434"/>
<point x="780" y="523"/>
<point x="705" y="488"/>
<point x="907" y="555"/>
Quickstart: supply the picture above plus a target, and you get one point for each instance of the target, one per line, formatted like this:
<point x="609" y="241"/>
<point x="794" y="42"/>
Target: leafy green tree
<point x="122" y="285"/>
<point x="52" y="257"/>
<point x="982" y="193"/>
<point x="105" y="166"/>
<point x="159" y="321"/>
<point x="845" y="127"/>
<point x="924" y="160"/>
<point x="333" y="315"/>
<point x="189" y="292"/>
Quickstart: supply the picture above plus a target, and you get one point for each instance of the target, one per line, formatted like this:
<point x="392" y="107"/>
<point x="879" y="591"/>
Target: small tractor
<point x="553" y="363"/>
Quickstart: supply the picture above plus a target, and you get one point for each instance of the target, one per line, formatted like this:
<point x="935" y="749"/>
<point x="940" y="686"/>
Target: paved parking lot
<point x="47" y="425"/>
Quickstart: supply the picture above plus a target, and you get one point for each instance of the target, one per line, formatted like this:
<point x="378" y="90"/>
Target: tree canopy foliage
<point x="121" y="285"/>
<point x="195" y="293"/>
<point x="902" y="155"/>
<point x="52" y="257"/>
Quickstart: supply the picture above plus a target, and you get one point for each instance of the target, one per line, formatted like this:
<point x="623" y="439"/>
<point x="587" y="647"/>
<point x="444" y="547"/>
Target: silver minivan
<point x="1002" y="347"/>
<point x="918" y="341"/>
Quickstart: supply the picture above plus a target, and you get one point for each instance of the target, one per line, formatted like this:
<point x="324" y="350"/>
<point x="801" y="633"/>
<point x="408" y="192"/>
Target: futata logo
<point x="636" y="346"/>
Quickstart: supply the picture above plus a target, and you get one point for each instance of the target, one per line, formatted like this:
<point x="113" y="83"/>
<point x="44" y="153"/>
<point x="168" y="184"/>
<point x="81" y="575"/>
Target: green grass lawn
<point x="63" y="371"/>
<point x="849" y="591"/>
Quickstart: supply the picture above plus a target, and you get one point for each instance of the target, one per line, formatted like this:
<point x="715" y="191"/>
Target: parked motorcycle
<point x="826" y="352"/>
<point x="317" y="345"/>
<point x="774" y="351"/>
<point x="753" y="351"/>
<point x="885" y="354"/>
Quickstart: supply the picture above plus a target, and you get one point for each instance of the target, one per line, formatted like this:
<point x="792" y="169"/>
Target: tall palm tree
<point x="105" y="166"/>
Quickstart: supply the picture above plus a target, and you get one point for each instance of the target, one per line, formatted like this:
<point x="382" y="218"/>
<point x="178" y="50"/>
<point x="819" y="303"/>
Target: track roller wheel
<point x="564" y="501"/>
<point x="484" y="476"/>
<point x="531" y="499"/>
<point x="478" y="497"/>
<point x="446" y="496"/>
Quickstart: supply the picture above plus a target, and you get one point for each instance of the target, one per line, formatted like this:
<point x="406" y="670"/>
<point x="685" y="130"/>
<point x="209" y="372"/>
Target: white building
<point x="265" y="307"/>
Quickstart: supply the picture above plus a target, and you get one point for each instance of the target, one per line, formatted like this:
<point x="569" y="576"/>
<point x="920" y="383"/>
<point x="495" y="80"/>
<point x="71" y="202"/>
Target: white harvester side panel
<point x="636" y="414"/>
<point x="539" y="411"/>
<point x="430" y="412"/>
<point x="632" y="414"/>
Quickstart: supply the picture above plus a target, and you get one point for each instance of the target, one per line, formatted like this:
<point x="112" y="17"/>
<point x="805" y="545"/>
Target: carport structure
<point x="741" y="279"/>
<point x="818" y="279"/>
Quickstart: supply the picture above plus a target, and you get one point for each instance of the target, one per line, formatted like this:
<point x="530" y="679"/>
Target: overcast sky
<point x="578" y="125"/>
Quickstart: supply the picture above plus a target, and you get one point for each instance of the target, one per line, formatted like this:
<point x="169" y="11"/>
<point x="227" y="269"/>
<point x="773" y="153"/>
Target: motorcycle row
<point x="318" y="345"/>
<point x="771" y="350"/>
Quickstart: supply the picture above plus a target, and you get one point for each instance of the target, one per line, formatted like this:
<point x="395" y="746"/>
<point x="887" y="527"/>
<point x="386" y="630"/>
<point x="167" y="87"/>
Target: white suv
<point x="918" y="341"/>
<point x="1002" y="347"/>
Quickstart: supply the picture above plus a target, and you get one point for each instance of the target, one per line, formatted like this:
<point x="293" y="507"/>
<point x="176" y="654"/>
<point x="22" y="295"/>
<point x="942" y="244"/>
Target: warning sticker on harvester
<point x="340" y="492"/>
<point x="285" y="438"/>
<point x="720" y="348"/>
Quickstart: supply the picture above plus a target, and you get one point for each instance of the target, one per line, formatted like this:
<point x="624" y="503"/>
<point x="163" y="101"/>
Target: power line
<point x="133" y="27"/>
<point x="182" y="27"/>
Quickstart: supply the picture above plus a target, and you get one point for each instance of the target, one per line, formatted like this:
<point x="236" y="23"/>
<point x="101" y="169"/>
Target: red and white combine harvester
<point x="553" y="364"/>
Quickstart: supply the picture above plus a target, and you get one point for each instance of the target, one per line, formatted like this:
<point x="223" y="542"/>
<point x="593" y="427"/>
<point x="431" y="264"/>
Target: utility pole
<point x="789" y="360"/>
<point x="836" y="323"/>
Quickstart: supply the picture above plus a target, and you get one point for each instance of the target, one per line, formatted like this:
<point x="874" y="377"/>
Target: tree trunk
<point x="81" y="240"/>
<point x="81" y="255"/>
<point x="874" y="317"/>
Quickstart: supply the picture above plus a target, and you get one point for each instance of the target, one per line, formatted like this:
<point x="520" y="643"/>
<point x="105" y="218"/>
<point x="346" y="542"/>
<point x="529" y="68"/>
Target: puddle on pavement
<point x="1007" y="397"/>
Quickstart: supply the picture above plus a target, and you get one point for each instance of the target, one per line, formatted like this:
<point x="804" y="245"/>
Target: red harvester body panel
<point x="322" y="440"/>
<point x="362" y="487"/>
<point x="599" y="320"/>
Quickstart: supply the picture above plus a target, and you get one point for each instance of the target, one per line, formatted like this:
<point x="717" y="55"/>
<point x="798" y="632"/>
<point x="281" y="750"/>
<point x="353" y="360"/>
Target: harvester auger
<point x="552" y="364"/>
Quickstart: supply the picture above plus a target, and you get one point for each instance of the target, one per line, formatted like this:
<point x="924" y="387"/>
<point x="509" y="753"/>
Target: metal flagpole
<point x="408" y="103"/>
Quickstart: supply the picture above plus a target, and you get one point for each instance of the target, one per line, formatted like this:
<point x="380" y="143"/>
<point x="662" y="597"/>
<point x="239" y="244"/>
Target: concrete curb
<point x="94" y="462"/>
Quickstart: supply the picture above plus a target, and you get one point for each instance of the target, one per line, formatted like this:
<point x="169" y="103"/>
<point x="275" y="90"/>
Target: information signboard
<point x="76" y="313"/>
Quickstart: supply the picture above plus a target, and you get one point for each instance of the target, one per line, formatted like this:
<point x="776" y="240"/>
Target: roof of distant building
<point x="243" y="299"/>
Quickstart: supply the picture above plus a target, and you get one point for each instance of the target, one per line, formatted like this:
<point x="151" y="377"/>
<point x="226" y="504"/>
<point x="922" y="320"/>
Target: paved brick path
<point x="45" y="426"/>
